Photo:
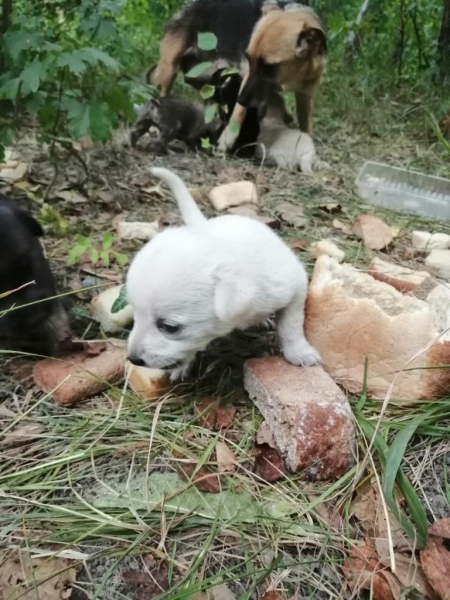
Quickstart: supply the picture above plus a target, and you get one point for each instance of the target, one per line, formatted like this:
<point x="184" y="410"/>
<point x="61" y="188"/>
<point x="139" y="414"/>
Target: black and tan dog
<point x="273" y="45"/>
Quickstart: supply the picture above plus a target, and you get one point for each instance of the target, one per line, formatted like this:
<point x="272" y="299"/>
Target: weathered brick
<point x="310" y="417"/>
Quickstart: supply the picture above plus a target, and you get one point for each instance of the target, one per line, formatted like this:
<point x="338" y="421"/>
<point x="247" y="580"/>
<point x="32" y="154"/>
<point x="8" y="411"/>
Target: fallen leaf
<point x="220" y="592"/>
<point x="410" y="574"/>
<point x="363" y="571"/>
<point x="146" y="586"/>
<point x="14" y="173"/>
<point x="204" y="479"/>
<point x="374" y="232"/>
<point x="154" y="190"/>
<point x="214" y="416"/>
<point x="264" y="435"/>
<point x="272" y="595"/>
<point x="435" y="558"/>
<point x="226" y="460"/>
<point x="298" y="245"/>
<point x="71" y="196"/>
<point x="233" y="194"/>
<point x="268" y="464"/>
<point x="344" y="227"/>
<point x="196" y="194"/>
<point x="21" y="435"/>
<point x="332" y="208"/>
<point x="49" y="578"/>
<point x="292" y="214"/>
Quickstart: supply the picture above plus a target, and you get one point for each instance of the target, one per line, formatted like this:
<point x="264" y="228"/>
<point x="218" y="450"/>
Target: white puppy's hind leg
<point x="290" y="321"/>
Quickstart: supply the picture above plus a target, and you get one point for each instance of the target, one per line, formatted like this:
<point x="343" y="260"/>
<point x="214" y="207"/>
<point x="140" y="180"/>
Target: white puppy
<point x="190" y="285"/>
<point x="288" y="148"/>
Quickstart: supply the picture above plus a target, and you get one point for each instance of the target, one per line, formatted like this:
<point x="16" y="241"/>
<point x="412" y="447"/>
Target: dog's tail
<point x="190" y="212"/>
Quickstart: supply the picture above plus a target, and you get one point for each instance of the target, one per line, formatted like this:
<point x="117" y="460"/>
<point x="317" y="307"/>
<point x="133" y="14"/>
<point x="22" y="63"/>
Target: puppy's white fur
<point x="288" y="148"/>
<point x="208" y="278"/>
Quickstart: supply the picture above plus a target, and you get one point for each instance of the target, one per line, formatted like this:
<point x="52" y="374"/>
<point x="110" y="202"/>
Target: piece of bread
<point x="147" y="384"/>
<point x="401" y="278"/>
<point x="78" y="376"/>
<point x="101" y="306"/>
<point x="351" y="316"/>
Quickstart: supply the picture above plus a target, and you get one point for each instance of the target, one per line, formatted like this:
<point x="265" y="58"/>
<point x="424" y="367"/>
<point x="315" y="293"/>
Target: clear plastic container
<point x="402" y="190"/>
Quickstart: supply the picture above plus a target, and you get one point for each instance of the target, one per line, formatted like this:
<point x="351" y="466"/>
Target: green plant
<point x="121" y="301"/>
<point x="97" y="252"/>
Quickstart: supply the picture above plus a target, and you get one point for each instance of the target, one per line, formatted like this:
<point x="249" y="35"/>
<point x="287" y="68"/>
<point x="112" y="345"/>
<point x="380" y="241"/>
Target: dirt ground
<point x="82" y="482"/>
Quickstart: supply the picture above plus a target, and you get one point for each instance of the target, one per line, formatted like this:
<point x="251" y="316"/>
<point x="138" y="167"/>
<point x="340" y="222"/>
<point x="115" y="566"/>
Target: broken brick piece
<point x="308" y="414"/>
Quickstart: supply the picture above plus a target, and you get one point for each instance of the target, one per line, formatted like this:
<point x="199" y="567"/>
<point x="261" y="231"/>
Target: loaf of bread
<point x="351" y="316"/>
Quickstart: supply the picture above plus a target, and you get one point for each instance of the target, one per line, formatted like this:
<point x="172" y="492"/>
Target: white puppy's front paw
<point x="181" y="372"/>
<point x="301" y="353"/>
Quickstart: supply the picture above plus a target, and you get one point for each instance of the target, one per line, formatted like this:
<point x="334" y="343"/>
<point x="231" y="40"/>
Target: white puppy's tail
<point x="190" y="212"/>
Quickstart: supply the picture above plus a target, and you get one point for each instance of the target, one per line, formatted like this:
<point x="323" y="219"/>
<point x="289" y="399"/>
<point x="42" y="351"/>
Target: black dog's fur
<point x="41" y="327"/>
<point x="176" y="119"/>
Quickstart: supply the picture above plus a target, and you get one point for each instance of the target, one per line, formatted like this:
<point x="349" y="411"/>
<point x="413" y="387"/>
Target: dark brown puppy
<point x="25" y="272"/>
<point x="176" y="119"/>
<point x="273" y="45"/>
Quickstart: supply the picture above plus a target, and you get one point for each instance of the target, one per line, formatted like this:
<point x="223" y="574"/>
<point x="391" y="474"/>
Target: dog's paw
<point x="301" y="354"/>
<point x="226" y="140"/>
<point x="180" y="373"/>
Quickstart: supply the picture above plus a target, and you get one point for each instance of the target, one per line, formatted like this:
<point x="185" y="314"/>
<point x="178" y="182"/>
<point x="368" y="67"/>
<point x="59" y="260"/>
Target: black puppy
<point x="41" y="327"/>
<point x="176" y="119"/>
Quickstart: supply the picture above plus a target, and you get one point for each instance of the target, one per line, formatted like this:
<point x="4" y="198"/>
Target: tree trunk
<point x="444" y="43"/>
<point x="4" y="26"/>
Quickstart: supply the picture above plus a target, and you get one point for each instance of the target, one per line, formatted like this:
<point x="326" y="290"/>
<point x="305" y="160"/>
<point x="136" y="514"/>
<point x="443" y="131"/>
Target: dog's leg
<point x="229" y="137"/>
<point x="290" y="326"/>
<point x="304" y="105"/>
<point x="173" y="46"/>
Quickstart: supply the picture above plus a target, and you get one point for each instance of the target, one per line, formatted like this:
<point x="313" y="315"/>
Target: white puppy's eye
<point x="167" y="327"/>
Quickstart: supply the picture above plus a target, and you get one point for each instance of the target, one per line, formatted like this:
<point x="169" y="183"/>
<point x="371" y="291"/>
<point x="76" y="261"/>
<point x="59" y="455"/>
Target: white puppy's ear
<point x="234" y="296"/>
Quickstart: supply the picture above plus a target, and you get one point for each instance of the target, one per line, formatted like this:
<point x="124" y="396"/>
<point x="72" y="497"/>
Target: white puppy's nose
<point x="135" y="360"/>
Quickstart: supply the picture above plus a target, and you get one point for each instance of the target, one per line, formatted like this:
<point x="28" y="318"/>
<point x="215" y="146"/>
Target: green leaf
<point x="207" y="41"/>
<point x="93" y="56"/>
<point x="73" y="61"/>
<point x="101" y="121"/>
<point x="10" y="89"/>
<point x="75" y="254"/>
<point x="121" y="259"/>
<point x="108" y="239"/>
<point x="207" y="91"/>
<point x="198" y="69"/>
<point x="121" y="301"/>
<point x="79" y="119"/>
<point x="105" y="257"/>
<point x="210" y="113"/>
<point x="31" y="77"/>
<point x="18" y="41"/>
<point x="82" y="240"/>
<point x="234" y="127"/>
<point x="94" y="255"/>
<point x="230" y="71"/>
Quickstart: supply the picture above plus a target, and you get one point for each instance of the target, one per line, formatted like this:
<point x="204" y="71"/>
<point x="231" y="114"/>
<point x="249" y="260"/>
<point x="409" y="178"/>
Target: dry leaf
<point x="21" y="435"/>
<point x="214" y="416"/>
<point x="204" y="479"/>
<point x="146" y="586"/>
<point x="226" y="460"/>
<point x="373" y="231"/>
<point x="363" y="571"/>
<point x="13" y="173"/>
<point x="19" y="578"/>
<point x="220" y="592"/>
<point x="344" y="227"/>
<point x="272" y="595"/>
<point x="268" y="464"/>
<point x="264" y="435"/>
<point x="332" y="208"/>
<point x="411" y="575"/>
<point x="298" y="245"/>
<point x="292" y="214"/>
<point x="71" y="196"/>
<point x="435" y="558"/>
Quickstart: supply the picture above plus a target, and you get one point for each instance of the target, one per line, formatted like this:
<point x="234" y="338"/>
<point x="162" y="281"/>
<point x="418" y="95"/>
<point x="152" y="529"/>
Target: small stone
<point x="327" y="247"/>
<point x="310" y="417"/>
<point x="438" y="262"/>
<point x="424" y="240"/>
<point x="233" y="194"/>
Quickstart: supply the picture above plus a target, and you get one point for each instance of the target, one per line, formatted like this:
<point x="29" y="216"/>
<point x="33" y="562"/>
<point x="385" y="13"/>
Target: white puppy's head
<point x="183" y="292"/>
